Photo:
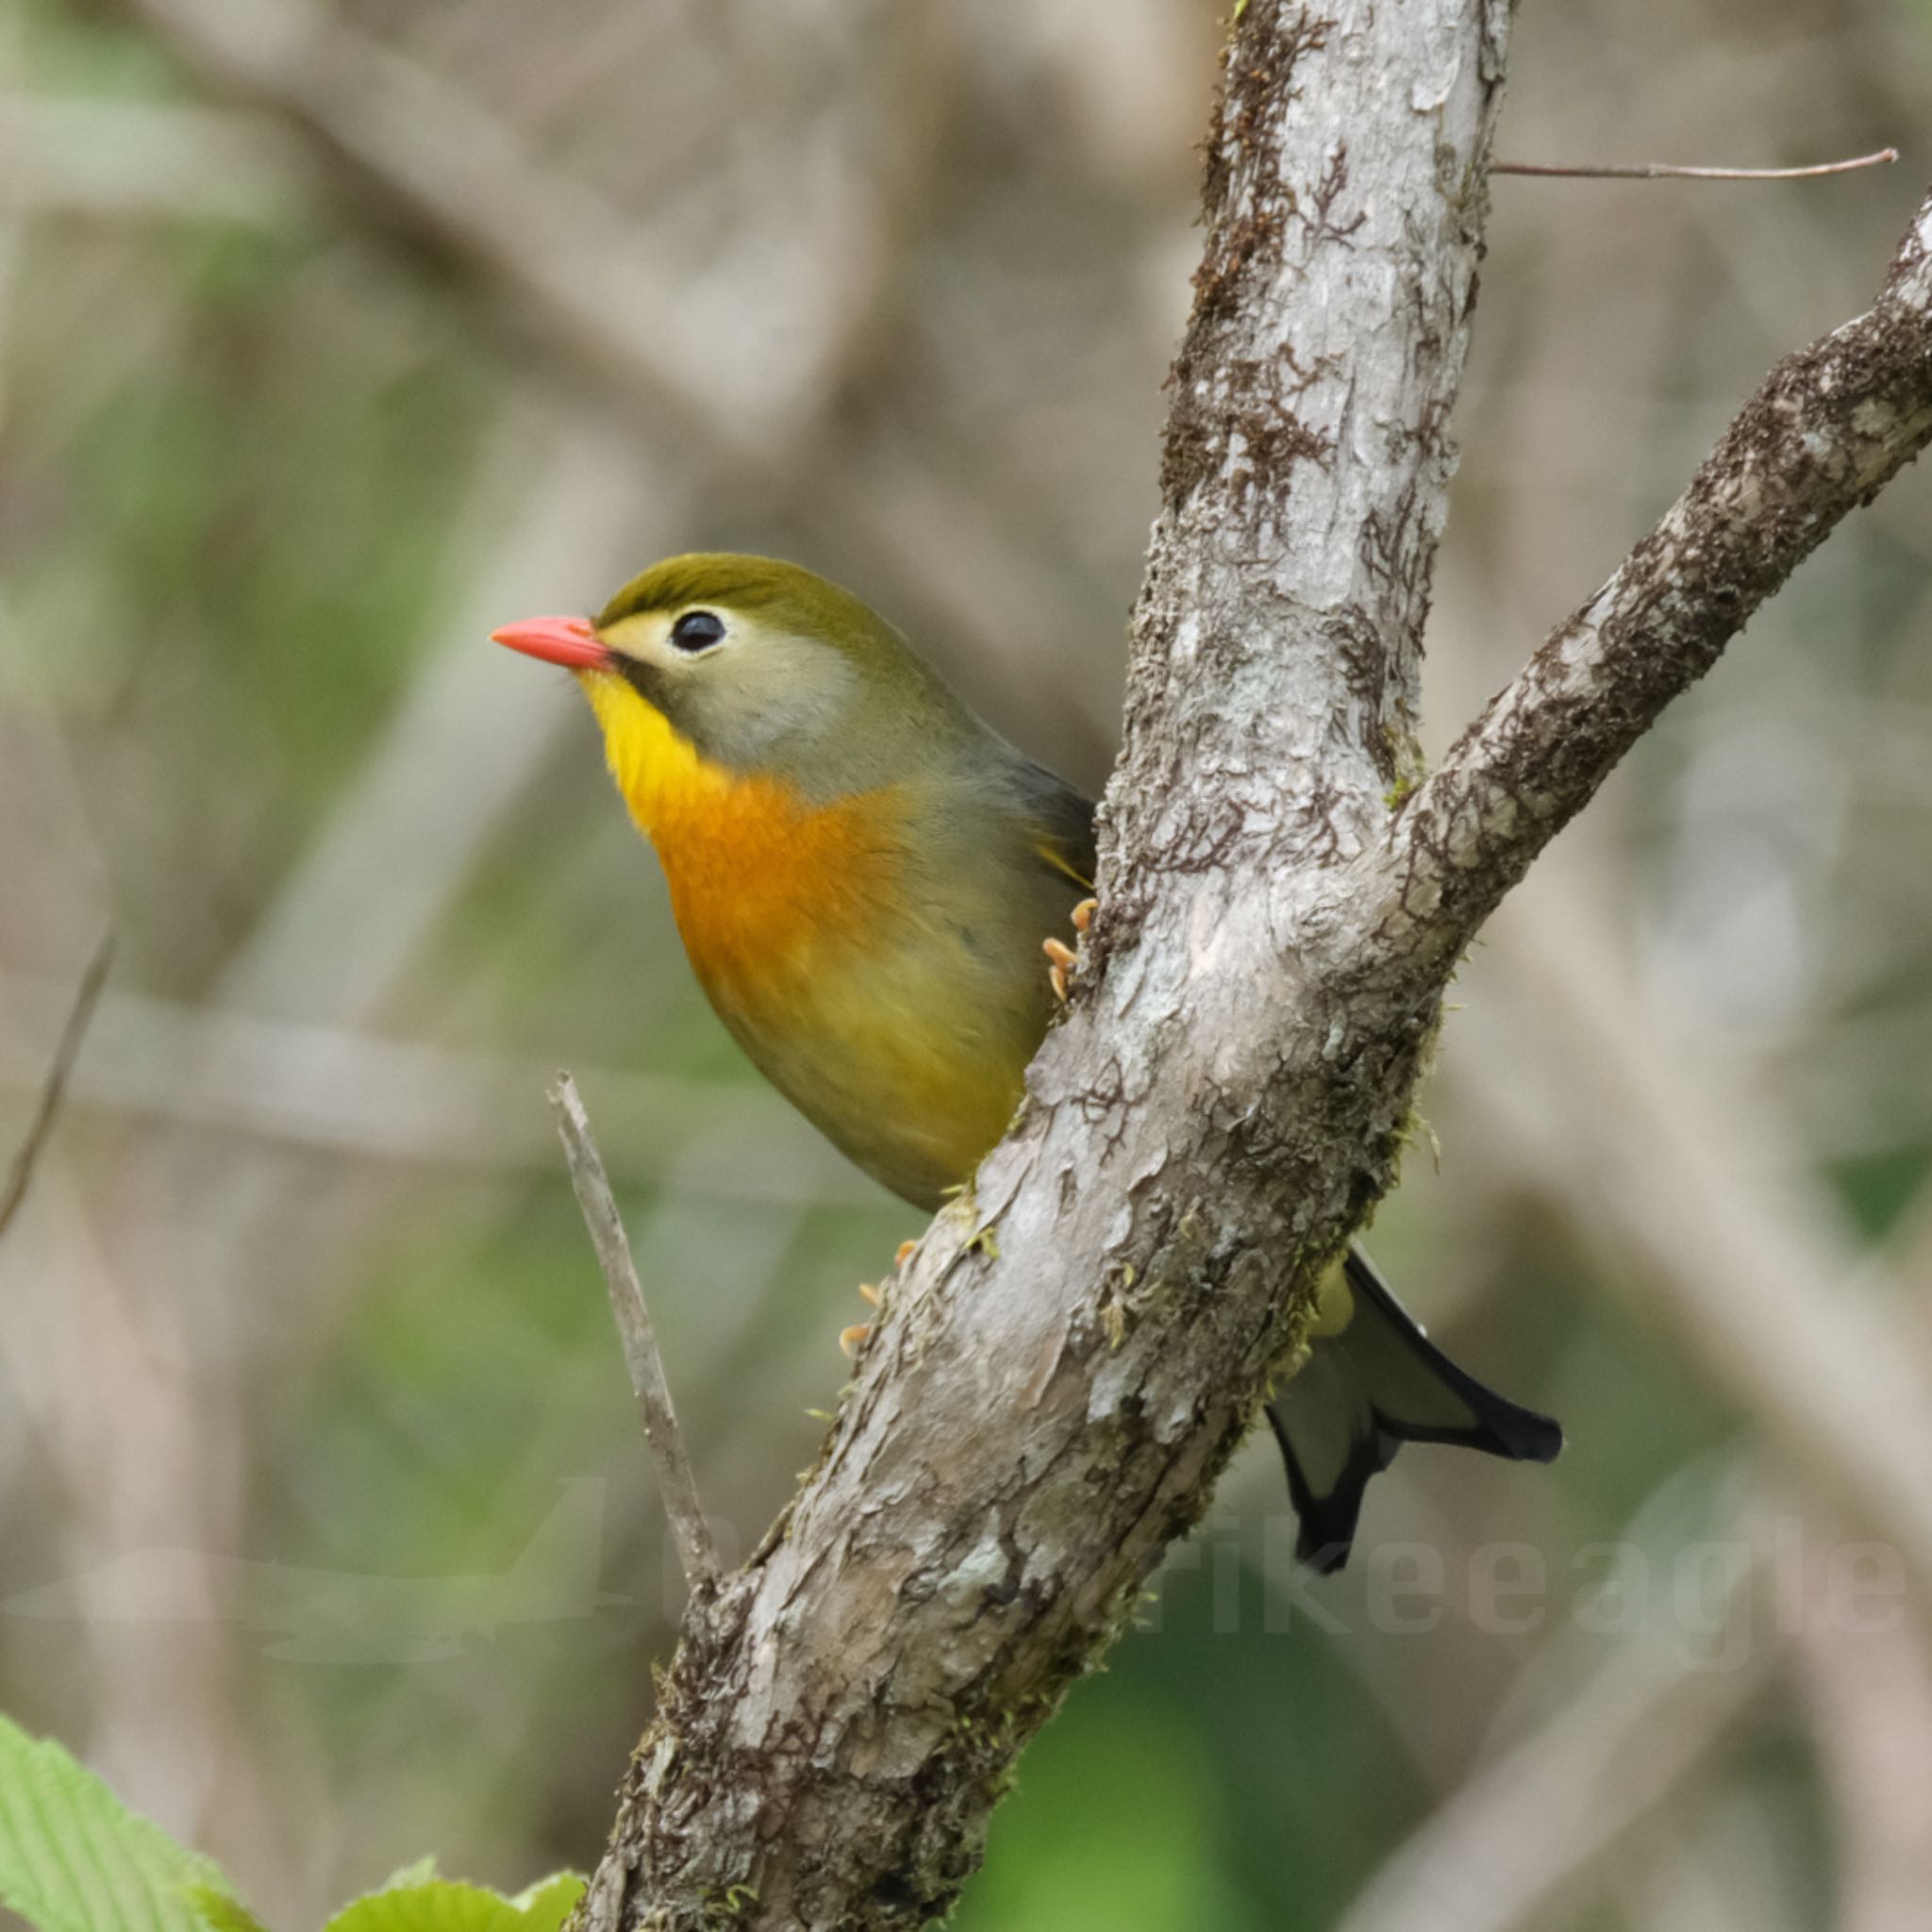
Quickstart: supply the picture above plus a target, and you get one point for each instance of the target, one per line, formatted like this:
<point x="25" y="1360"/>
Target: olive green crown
<point x="785" y="595"/>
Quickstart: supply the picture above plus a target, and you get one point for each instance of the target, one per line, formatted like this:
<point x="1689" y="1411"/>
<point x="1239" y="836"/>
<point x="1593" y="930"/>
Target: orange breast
<point x="765" y="884"/>
<point x="767" y="888"/>
<point x="822" y="940"/>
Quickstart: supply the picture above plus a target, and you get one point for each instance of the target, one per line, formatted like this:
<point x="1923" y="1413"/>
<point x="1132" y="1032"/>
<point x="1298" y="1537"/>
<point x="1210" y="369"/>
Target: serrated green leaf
<point x="218" y="1912"/>
<point x="441" y="1905"/>
<point x="74" y="1859"/>
<point x="548" y="1903"/>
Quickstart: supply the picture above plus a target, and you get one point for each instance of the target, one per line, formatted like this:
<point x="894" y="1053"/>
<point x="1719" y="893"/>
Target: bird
<point x="865" y="876"/>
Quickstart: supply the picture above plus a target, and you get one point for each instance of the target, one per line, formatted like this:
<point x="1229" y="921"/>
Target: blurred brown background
<point x="328" y="340"/>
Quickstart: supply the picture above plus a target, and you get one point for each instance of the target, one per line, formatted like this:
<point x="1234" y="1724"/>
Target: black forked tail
<point x="1373" y="1382"/>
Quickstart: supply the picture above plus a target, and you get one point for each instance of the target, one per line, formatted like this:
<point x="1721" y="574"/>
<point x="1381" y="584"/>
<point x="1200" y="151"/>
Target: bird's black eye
<point x="697" y="631"/>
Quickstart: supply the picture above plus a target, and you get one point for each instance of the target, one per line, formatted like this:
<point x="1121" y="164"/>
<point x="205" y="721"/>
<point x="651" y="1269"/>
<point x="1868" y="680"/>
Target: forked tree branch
<point x="1068" y="1360"/>
<point x="1072" y="1354"/>
<point x="1064" y="1368"/>
<point x="1827" y="430"/>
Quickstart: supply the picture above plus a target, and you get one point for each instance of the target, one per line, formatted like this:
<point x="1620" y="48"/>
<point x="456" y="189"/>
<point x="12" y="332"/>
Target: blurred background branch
<point x="419" y="163"/>
<point x="1518" y="1840"/>
<point x="54" y="1083"/>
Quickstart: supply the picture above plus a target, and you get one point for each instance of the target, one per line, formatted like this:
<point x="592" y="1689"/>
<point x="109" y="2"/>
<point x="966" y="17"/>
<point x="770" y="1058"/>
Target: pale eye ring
<point x="698" y="630"/>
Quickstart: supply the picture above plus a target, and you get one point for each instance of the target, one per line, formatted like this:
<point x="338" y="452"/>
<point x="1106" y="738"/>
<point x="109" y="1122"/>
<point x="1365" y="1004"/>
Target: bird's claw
<point x="852" y="1339"/>
<point x="1061" y="956"/>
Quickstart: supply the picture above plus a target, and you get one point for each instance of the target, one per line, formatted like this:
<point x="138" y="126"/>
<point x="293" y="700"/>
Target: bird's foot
<point x="1061" y="956"/>
<point x="852" y="1339"/>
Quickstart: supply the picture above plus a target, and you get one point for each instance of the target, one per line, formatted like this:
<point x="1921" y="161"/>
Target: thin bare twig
<point x="56" y="1084"/>
<point x="1665" y="171"/>
<point x="689" y="1530"/>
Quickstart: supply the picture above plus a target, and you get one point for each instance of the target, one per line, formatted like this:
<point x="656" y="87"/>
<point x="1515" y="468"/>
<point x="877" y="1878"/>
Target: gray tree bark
<point x="1065" y="1365"/>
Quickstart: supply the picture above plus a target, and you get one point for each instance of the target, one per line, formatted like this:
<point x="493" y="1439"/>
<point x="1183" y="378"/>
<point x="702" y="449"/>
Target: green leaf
<point x="443" y="1905"/>
<point x="547" y="1904"/>
<point x="221" y="1913"/>
<point x="74" y="1859"/>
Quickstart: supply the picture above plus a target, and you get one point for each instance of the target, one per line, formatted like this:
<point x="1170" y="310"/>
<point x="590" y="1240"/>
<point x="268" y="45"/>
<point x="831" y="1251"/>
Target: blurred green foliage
<point x="305" y="1293"/>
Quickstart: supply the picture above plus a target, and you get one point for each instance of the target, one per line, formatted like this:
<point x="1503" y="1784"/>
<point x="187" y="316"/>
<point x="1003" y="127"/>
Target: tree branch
<point x="1667" y="171"/>
<point x="678" y="1487"/>
<point x="1827" y="429"/>
<point x="49" y="1104"/>
<point x="1068" y="1360"/>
